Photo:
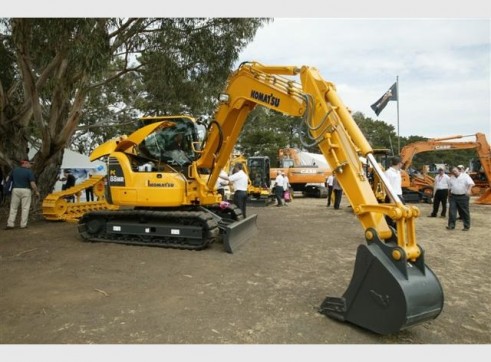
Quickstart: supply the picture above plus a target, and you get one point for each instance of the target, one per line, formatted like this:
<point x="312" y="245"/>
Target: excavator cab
<point x="168" y="203"/>
<point x="259" y="171"/>
<point x="171" y="145"/>
<point x="259" y="187"/>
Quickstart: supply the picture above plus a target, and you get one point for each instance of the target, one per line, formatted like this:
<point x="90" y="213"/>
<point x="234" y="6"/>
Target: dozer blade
<point x="386" y="296"/>
<point x="236" y="233"/>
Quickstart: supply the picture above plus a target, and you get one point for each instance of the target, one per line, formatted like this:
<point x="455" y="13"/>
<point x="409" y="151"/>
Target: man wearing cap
<point x="460" y="190"/>
<point x="23" y="185"/>
<point x="440" y="193"/>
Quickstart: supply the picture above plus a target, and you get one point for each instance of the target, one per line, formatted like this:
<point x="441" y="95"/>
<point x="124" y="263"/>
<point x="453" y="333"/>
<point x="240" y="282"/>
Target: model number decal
<point x="116" y="179"/>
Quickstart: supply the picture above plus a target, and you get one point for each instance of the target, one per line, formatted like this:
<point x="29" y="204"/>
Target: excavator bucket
<point x="236" y="233"/>
<point x="384" y="295"/>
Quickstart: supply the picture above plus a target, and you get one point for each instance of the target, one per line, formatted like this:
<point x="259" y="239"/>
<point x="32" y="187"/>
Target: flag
<point x="390" y="95"/>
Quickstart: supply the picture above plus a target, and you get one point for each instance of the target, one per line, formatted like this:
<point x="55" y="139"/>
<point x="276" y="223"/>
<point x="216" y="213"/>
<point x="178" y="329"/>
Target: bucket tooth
<point x="386" y="296"/>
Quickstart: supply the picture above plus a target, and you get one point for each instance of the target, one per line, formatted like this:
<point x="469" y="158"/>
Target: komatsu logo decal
<point x="266" y="98"/>
<point x="160" y="184"/>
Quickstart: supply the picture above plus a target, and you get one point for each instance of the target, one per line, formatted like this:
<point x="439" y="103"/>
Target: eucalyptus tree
<point x="77" y="81"/>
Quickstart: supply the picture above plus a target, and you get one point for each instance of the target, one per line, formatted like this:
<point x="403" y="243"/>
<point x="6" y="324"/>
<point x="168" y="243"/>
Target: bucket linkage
<point x="387" y="295"/>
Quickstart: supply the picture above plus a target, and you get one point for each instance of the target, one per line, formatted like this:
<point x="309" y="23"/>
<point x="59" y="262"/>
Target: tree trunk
<point x="45" y="181"/>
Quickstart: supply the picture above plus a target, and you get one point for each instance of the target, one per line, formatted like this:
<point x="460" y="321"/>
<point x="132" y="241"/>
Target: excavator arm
<point x="331" y="126"/>
<point x="391" y="288"/>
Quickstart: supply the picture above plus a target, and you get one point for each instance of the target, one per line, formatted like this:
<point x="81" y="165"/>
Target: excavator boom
<point x="392" y="288"/>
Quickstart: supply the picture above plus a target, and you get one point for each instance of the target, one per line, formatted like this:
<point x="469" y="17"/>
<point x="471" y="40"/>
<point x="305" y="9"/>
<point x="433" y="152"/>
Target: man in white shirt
<point x="329" y="185"/>
<point x="286" y="186"/>
<point x="221" y="183"/>
<point x="440" y="193"/>
<point x="460" y="190"/>
<point x="240" y="181"/>
<point x="278" y="188"/>
<point x="393" y="174"/>
<point x="147" y="167"/>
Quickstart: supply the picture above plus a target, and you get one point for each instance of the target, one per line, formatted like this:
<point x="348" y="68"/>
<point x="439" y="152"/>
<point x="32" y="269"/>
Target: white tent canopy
<point x="79" y="164"/>
<point x="75" y="160"/>
<point x="72" y="159"/>
<point x="310" y="159"/>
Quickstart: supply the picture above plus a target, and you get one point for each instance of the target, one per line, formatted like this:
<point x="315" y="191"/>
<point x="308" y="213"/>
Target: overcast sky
<point x="442" y="65"/>
<point x="440" y="50"/>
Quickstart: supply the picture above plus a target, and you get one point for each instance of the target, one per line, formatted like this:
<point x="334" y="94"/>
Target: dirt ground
<point x="57" y="289"/>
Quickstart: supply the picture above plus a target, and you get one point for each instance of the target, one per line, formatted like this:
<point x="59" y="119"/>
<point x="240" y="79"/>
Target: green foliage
<point x="264" y="132"/>
<point x="378" y="133"/>
<point x="449" y="158"/>
<point x="180" y="66"/>
<point x="80" y="81"/>
<point x="189" y="60"/>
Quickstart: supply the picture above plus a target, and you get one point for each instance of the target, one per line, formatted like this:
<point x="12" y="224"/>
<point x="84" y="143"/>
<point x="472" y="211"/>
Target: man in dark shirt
<point x="69" y="182"/>
<point x="89" y="192"/>
<point x="23" y="185"/>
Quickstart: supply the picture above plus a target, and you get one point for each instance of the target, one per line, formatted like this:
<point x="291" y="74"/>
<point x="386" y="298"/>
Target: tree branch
<point x="117" y="75"/>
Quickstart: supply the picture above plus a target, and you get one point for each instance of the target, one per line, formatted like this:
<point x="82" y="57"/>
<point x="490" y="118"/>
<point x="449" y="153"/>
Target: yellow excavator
<point x="257" y="169"/>
<point x="173" y="203"/>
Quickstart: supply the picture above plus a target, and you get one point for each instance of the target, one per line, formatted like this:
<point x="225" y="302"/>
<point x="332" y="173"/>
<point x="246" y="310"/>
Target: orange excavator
<point x="307" y="178"/>
<point x="423" y="183"/>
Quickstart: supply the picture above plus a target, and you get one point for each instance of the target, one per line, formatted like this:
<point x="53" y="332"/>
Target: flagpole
<point x="398" y="137"/>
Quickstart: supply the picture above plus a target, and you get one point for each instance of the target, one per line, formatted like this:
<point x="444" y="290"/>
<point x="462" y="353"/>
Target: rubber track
<point x="205" y="220"/>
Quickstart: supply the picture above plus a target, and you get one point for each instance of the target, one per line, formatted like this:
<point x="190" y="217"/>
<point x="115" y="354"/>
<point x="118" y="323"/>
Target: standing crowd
<point x="281" y="189"/>
<point x="456" y="189"/>
<point x="460" y="189"/>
